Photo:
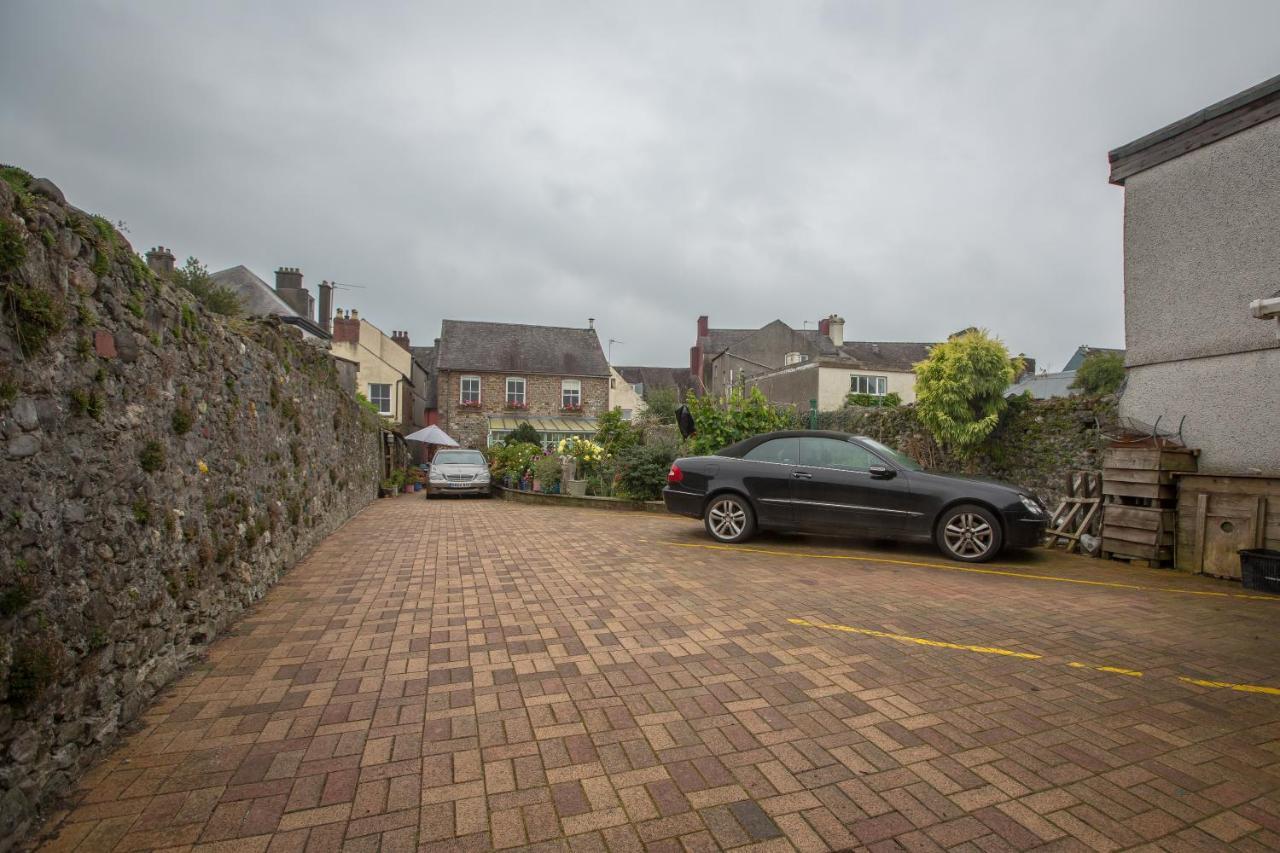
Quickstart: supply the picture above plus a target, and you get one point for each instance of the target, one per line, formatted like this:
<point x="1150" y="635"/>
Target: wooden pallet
<point x="1139" y="521"/>
<point x="1077" y="515"/>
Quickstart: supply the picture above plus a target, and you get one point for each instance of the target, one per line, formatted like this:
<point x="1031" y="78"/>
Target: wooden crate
<point x="1149" y="491"/>
<point x="1150" y="458"/>
<point x="1219" y="515"/>
<point x="1138" y="531"/>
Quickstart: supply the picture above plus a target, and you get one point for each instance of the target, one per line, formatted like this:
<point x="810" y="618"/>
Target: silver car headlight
<point x="1032" y="505"/>
<point x="482" y="477"/>
<point x="436" y="477"/>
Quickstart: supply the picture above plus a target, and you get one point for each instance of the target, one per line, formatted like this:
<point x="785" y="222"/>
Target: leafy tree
<point x="1100" y="373"/>
<point x="721" y="421"/>
<point x="615" y="434"/>
<point x="524" y="434"/>
<point x="660" y="405"/>
<point x="960" y="389"/>
<point x="193" y="277"/>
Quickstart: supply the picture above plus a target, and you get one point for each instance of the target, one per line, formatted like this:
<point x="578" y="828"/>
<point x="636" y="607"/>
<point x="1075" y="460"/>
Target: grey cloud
<point x="917" y="167"/>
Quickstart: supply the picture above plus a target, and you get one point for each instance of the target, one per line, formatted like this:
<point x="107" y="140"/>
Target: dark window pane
<point x="832" y="453"/>
<point x="783" y="450"/>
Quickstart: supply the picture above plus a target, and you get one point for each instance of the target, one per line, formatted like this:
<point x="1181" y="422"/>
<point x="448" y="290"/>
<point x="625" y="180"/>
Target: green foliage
<point x="721" y="422"/>
<point x="193" y="277"/>
<point x="523" y="434"/>
<point x="660" y="405"/>
<point x="86" y="403"/>
<point x="1100" y="373"/>
<point x="19" y="180"/>
<point x="37" y="315"/>
<point x="360" y="398"/>
<point x="15" y="597"/>
<point x="615" y="434"/>
<point x="12" y="250"/>
<point x="547" y="471"/>
<point x="960" y="389"/>
<point x="513" y="459"/>
<point x="141" y="510"/>
<point x="893" y="398"/>
<point x="135" y="304"/>
<point x="37" y="663"/>
<point x="152" y="457"/>
<point x="182" y="420"/>
<point x="642" y="470"/>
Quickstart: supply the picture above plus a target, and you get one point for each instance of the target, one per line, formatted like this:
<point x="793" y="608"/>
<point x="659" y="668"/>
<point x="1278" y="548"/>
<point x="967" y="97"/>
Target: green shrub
<point x="193" y="277"/>
<point x="37" y="315"/>
<point x="12" y="250"/>
<point x="893" y="398"/>
<point x="721" y="422"/>
<point x="615" y="434"/>
<point x="1100" y="373"/>
<point x="642" y="470"/>
<point x="152" y="457"/>
<point x="513" y="459"/>
<point x="660" y="405"/>
<point x="546" y="470"/>
<point x="960" y="389"/>
<point x="182" y="420"/>
<point x="523" y="434"/>
<point x="86" y="403"/>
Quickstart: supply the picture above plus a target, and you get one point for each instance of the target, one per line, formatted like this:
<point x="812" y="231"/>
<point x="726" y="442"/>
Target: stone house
<point x="794" y="366"/>
<point x="1201" y="254"/>
<point x="641" y="381"/>
<point x="489" y="377"/>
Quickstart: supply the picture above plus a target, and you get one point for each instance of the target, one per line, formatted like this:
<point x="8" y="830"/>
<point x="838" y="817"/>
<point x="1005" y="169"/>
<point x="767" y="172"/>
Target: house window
<point x="469" y="391"/>
<point x="613" y="383"/>
<point x="876" y="386"/>
<point x="626" y="414"/>
<point x="638" y="388"/>
<point x="571" y="394"/>
<point x="380" y="396"/>
<point x="515" y="391"/>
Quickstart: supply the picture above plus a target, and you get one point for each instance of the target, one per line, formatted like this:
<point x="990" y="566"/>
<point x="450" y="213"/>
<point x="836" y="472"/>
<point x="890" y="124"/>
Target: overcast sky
<point x="914" y="167"/>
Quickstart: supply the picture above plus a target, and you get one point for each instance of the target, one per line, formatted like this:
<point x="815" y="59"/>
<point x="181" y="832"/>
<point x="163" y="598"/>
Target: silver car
<point x="458" y="472"/>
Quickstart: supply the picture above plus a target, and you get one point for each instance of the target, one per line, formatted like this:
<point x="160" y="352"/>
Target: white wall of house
<point x="623" y="396"/>
<point x="1200" y="245"/>
<point x="835" y="383"/>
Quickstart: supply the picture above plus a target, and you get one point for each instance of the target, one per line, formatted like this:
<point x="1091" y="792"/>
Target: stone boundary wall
<point x="586" y="501"/>
<point x="161" y="467"/>
<point x="1037" y="445"/>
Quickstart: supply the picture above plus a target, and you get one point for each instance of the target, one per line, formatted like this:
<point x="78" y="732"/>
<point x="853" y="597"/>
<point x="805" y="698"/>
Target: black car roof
<point x="736" y="450"/>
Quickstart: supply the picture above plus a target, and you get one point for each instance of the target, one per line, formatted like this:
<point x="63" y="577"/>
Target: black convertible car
<point x="833" y="483"/>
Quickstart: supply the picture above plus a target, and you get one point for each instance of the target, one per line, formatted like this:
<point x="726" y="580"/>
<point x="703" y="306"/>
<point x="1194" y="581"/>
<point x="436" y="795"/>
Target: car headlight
<point x="436" y="477"/>
<point x="482" y="477"/>
<point x="1032" y="505"/>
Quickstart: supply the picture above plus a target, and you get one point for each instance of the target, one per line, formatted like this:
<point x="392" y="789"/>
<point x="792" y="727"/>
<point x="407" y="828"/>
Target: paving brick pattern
<point x="469" y="675"/>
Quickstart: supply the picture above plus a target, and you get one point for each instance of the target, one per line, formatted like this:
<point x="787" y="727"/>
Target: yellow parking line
<point x="1112" y="669"/>
<point x="986" y="650"/>
<point x="971" y="570"/>
<point x="1226" y="685"/>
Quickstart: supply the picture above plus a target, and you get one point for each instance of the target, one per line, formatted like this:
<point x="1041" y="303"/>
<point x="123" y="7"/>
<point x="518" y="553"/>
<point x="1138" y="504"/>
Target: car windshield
<point x="899" y="459"/>
<point x="458" y="457"/>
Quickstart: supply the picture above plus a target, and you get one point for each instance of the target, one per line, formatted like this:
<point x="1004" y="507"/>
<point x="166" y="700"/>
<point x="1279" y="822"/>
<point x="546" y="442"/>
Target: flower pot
<point x="577" y="488"/>
<point x="417" y="487"/>
<point x="408" y="489"/>
<point x="537" y="485"/>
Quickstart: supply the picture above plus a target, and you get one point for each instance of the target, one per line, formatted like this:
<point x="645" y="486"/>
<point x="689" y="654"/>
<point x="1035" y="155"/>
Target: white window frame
<point x="523" y="395"/>
<point x="567" y="386"/>
<point x="375" y="400"/>
<point x="462" y="389"/>
<point x="858" y="381"/>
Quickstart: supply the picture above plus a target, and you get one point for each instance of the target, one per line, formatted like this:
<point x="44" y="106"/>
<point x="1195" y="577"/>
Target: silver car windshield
<point x="458" y="457"/>
<point x="900" y="459"/>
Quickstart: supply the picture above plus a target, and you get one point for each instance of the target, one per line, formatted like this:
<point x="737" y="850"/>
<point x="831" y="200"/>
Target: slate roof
<point x="515" y="348"/>
<point x="260" y="299"/>
<point x="898" y="356"/>
<point x="679" y="378"/>
<point x="717" y="341"/>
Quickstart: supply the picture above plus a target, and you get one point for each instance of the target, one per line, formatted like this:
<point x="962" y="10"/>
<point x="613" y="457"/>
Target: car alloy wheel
<point x="971" y="534"/>
<point x="729" y="519"/>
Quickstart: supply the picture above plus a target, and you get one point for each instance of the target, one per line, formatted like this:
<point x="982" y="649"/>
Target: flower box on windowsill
<point x="469" y="404"/>
<point x="516" y="407"/>
<point x="570" y="407"/>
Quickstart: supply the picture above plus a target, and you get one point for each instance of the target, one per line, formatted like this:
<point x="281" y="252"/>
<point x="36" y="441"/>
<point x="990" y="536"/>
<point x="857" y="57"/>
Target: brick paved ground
<point x="460" y="675"/>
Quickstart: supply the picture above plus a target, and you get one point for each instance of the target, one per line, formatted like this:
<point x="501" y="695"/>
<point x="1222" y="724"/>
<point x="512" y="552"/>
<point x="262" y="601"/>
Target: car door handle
<point x="802" y="475"/>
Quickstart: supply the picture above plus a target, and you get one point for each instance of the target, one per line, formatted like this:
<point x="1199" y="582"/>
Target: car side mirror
<point x="882" y="472"/>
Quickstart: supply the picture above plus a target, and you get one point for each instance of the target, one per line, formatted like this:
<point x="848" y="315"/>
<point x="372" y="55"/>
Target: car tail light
<point x="675" y="475"/>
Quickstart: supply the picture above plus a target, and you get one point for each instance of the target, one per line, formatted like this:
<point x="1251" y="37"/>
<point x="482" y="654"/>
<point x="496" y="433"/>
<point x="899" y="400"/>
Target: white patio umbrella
<point x="432" y="435"/>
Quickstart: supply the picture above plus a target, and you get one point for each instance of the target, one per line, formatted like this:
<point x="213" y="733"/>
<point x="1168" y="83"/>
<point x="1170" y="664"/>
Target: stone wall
<point x="1037" y="445"/>
<point x="161" y="467"/>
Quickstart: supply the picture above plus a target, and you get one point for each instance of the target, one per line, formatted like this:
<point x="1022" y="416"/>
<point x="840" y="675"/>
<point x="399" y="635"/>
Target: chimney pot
<point x="835" y="324"/>
<point x="704" y="325"/>
<point x="591" y="322"/>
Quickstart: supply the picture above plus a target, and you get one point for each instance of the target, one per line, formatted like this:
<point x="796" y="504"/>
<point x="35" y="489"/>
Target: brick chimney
<point x="401" y="338"/>
<point x="824" y="326"/>
<point x="160" y="260"/>
<point x="289" y="288"/>
<point x="326" y="306"/>
<point x="346" y="328"/>
<point x="704" y="325"/>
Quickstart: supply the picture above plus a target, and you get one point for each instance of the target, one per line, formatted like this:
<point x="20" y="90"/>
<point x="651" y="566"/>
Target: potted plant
<point x="579" y="457"/>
